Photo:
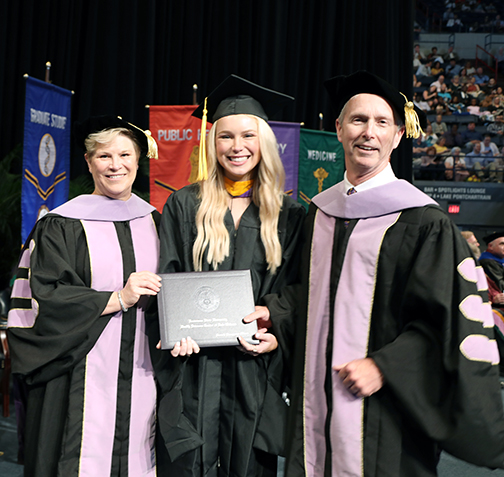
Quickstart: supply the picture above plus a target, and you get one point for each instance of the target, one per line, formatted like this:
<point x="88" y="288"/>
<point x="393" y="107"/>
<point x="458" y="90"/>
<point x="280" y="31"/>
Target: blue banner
<point x="46" y="151"/>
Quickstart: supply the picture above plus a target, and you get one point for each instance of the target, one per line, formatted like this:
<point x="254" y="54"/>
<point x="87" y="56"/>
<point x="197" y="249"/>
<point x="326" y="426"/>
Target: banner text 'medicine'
<point x="322" y="156"/>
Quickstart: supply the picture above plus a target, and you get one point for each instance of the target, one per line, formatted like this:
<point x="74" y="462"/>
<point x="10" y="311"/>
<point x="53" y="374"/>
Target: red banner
<point x="177" y="134"/>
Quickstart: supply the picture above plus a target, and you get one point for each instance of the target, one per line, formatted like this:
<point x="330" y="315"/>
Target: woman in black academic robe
<point x="76" y="326"/>
<point x="221" y="411"/>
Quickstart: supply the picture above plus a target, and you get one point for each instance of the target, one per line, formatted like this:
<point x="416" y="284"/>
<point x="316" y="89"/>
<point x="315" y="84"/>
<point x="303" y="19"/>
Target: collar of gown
<point x="380" y="200"/>
<point x="104" y="209"/>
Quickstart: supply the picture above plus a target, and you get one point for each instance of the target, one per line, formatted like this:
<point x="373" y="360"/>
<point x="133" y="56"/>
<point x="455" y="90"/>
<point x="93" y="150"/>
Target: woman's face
<point x="237" y="146"/>
<point x="114" y="167"/>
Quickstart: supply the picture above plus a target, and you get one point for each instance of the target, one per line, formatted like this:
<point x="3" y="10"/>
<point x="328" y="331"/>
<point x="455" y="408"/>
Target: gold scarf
<point x="238" y="188"/>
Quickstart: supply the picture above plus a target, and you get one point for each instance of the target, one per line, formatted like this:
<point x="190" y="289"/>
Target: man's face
<point x="477" y="148"/>
<point x="486" y="141"/>
<point x="471" y="126"/>
<point x="497" y="247"/>
<point x="368" y="134"/>
<point x="441" y="79"/>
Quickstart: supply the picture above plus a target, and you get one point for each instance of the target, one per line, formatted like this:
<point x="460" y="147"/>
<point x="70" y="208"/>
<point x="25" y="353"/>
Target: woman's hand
<point x="185" y="347"/>
<point x="261" y="315"/>
<point x="267" y="343"/>
<point x="138" y="284"/>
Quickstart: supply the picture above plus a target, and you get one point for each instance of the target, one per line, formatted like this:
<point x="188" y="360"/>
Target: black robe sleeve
<point x="453" y="397"/>
<point x="270" y="435"/>
<point x="68" y="321"/>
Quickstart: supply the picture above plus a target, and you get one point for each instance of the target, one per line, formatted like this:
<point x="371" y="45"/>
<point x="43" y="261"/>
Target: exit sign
<point x="453" y="208"/>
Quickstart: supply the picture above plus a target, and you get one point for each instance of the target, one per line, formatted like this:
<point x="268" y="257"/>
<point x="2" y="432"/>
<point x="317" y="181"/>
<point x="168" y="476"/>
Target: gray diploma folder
<point x="207" y="306"/>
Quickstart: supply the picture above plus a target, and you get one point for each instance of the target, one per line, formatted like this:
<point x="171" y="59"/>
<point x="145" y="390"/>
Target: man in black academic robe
<point x="395" y="352"/>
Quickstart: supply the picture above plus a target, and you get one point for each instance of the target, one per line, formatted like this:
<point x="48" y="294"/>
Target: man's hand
<point x="361" y="376"/>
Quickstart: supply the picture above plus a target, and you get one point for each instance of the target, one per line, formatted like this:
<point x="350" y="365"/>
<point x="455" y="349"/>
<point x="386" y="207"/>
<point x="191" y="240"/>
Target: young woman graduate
<point x="76" y="326"/>
<point x="221" y="411"/>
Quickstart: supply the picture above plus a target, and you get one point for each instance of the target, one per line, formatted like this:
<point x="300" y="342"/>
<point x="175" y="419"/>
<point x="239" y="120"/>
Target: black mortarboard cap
<point x="342" y="88"/>
<point x="493" y="236"/>
<point x="96" y="124"/>
<point x="236" y="95"/>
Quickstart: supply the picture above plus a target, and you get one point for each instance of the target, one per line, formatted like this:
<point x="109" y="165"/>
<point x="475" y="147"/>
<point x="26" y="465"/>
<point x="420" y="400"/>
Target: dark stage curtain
<point x="120" y="55"/>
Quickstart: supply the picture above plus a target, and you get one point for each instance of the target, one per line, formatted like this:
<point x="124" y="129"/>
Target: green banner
<point x="321" y="163"/>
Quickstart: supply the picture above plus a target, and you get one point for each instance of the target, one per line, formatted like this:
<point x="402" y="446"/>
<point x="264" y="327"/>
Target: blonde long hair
<point x="267" y="194"/>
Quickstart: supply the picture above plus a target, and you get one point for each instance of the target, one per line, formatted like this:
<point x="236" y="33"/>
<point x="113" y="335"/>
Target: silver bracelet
<point x="123" y="308"/>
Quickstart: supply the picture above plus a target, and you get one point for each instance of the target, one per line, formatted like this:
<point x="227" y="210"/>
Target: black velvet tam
<point x="342" y="88"/>
<point x="96" y="124"/>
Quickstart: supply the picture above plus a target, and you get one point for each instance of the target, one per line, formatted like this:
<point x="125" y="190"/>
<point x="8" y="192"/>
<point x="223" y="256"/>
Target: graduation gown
<point x="216" y="407"/>
<point x="91" y="389"/>
<point x="387" y="275"/>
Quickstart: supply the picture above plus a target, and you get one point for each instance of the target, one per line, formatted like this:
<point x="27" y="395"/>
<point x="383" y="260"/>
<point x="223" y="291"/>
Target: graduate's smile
<point x="237" y="146"/>
<point x="238" y="160"/>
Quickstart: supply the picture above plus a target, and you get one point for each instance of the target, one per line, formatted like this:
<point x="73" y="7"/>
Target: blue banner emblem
<point x="46" y="151"/>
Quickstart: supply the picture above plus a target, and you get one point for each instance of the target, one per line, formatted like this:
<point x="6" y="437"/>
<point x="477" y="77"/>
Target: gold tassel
<point x="411" y="120"/>
<point x="152" y="147"/>
<point x="202" y="161"/>
<point x="152" y="151"/>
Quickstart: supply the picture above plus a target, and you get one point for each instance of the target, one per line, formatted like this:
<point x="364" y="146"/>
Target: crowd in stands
<point x="464" y="139"/>
<point x="478" y="16"/>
